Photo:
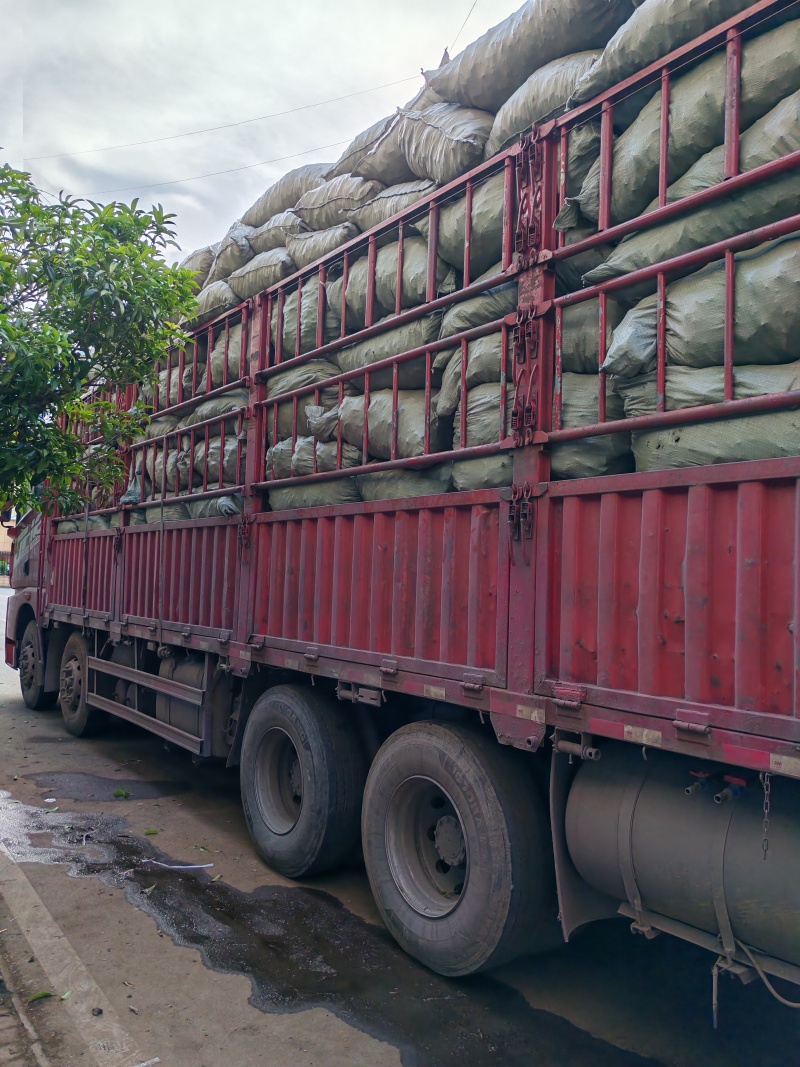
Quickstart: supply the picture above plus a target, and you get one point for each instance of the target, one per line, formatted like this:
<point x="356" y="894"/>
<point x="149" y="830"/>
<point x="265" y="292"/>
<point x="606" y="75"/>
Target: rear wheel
<point x="79" y="718"/>
<point x="302" y="779"/>
<point x="31" y="671"/>
<point x="457" y="848"/>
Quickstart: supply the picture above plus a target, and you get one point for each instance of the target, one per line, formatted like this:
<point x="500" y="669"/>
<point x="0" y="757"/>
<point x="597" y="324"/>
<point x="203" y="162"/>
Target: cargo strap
<point x="718" y="879"/>
<point x="630" y="799"/>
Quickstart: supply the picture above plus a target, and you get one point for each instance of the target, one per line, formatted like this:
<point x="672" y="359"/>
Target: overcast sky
<point x="88" y="74"/>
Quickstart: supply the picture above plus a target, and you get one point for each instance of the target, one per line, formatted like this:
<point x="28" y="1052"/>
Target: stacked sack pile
<point x="549" y="55"/>
<point x="766" y="308"/>
<point x="520" y="72"/>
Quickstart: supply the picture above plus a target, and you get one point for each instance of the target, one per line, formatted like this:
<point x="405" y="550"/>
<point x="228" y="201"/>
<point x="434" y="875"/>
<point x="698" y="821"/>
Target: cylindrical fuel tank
<point x="630" y="820"/>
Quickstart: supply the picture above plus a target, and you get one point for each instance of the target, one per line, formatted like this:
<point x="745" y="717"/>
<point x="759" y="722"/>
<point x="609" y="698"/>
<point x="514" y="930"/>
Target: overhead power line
<point x="463" y="24"/>
<point x="224" y="126"/>
<point x="215" y="173"/>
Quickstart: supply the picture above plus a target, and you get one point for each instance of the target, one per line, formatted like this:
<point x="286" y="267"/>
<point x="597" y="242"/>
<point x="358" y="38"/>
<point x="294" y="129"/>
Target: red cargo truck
<point x="535" y="705"/>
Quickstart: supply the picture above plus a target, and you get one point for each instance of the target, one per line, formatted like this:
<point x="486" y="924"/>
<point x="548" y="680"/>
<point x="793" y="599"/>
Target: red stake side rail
<point x="528" y="621"/>
<point x="614" y="616"/>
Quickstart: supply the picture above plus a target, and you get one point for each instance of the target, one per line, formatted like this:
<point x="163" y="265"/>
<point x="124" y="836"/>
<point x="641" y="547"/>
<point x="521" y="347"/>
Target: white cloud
<point x="107" y="72"/>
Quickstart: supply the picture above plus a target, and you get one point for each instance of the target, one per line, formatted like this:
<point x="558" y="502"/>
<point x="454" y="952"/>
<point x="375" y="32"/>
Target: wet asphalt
<point x="609" y="999"/>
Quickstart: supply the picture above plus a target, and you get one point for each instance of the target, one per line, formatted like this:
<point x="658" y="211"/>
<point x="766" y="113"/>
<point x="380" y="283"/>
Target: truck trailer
<point x="541" y="674"/>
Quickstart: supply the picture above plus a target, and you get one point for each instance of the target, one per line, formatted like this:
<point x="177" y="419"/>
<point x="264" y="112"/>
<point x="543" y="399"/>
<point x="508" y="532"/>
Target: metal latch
<point x="388" y="668"/>
<point x="311" y="654"/>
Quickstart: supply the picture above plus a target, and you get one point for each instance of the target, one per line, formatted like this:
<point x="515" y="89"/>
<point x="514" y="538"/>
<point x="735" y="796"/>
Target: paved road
<point x="233" y="965"/>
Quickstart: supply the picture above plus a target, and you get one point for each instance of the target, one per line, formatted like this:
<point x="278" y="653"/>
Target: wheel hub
<point x="279" y="781"/>
<point x="27" y="665"/>
<point x="296" y="780"/>
<point x="449" y="840"/>
<point x="71" y="684"/>
<point x="426" y="847"/>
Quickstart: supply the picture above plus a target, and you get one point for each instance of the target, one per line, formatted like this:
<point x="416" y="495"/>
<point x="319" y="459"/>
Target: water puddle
<point x="301" y="948"/>
<point x="68" y="785"/>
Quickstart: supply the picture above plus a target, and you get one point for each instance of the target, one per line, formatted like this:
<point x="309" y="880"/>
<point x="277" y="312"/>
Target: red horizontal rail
<point x="681" y="207"/>
<point x="698" y="258"/>
<point x="411" y="315"/>
<point x="442" y="344"/>
<point x="412" y="462"/>
<point x="681" y="416"/>
<point x="706" y="42"/>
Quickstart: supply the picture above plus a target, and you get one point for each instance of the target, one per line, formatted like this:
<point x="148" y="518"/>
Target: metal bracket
<point x="359" y="694"/>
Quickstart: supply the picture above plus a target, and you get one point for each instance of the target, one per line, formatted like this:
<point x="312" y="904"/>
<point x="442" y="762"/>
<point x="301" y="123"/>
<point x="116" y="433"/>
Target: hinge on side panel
<point x="568" y="696"/>
<point x="472" y="683"/>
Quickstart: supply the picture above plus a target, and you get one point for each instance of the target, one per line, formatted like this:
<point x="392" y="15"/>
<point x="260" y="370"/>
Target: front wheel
<point x="457" y="848"/>
<point x="31" y="671"/>
<point x="302" y="778"/>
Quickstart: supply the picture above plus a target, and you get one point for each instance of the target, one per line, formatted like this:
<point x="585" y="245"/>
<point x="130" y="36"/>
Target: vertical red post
<point x="244" y="348"/>
<point x="661" y="345"/>
<point x="345" y="279"/>
<point x="468" y="232"/>
<point x="601" y="357"/>
<point x="401" y="242"/>
<point x="433" y="249"/>
<point x="395" y="413"/>
<point x="372" y="256"/>
<point x="365" y="426"/>
<point x="265" y="303"/>
<point x="558" y="368"/>
<point x="503" y="380"/>
<point x="298" y="341"/>
<point x="606" y="164"/>
<point x="339" y="428"/>
<point x="509" y="210"/>
<point x="730" y="324"/>
<point x="463" y="406"/>
<point x="322" y="301"/>
<point x="733" y="86"/>
<point x="663" y="150"/>
<point x="563" y="169"/>
<point x="428" y="376"/>
<point x="209" y="350"/>
<point x="279" y="327"/>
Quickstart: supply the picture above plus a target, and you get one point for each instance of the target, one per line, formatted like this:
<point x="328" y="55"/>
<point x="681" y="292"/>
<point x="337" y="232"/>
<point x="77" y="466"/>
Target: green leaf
<point x="43" y="995"/>
<point x="121" y="793"/>
<point x="149" y="890"/>
<point x="149" y="832"/>
<point x="67" y="995"/>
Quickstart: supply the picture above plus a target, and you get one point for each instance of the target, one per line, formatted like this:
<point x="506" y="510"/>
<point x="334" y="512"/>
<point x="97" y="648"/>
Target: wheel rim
<point x="71" y="689"/>
<point x="27" y="666"/>
<point x="427" y="847"/>
<point x="279" y="781"/>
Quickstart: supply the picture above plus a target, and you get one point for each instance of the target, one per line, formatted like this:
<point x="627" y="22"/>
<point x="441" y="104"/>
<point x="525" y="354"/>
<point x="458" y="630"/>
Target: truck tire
<point x="79" y="719"/>
<point x="31" y="671"/>
<point x="457" y="848"/>
<point x="302" y="779"/>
